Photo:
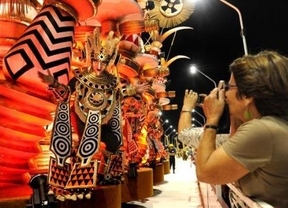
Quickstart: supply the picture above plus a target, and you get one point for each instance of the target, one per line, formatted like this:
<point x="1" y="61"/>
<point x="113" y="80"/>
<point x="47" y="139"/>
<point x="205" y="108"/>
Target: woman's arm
<point x="189" y="103"/>
<point x="214" y="165"/>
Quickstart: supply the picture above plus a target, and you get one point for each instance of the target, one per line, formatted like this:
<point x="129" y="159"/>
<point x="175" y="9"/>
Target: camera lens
<point x="200" y="99"/>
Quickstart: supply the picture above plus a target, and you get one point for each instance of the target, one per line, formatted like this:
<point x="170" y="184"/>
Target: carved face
<point x="98" y="66"/>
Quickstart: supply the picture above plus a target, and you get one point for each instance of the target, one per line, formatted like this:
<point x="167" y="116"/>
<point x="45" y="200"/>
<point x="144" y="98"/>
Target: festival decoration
<point x="53" y="38"/>
<point x="171" y="13"/>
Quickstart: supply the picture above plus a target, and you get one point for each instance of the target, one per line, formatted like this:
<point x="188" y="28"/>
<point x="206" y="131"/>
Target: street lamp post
<point x="171" y="137"/>
<point x="166" y="121"/>
<point x="195" y="111"/>
<point x="174" y="133"/>
<point x="167" y="129"/>
<point x="241" y="24"/>
<point x="194" y="119"/>
<point x="193" y="70"/>
<point x="166" y="141"/>
<point x="171" y="132"/>
<point x="174" y="141"/>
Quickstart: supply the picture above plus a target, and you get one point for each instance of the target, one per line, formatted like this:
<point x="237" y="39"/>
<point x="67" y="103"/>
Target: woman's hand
<point x="190" y="99"/>
<point x="213" y="106"/>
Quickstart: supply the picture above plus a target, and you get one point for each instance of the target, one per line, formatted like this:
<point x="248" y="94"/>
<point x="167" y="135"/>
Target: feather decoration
<point x="102" y="50"/>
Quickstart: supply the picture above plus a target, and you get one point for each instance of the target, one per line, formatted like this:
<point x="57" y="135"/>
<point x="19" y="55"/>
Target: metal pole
<point x="167" y="130"/>
<point x="204" y="120"/>
<point x="174" y="132"/>
<point x="174" y="141"/>
<point x="166" y="121"/>
<point x="207" y="77"/>
<point x="241" y="24"/>
<point x="193" y="69"/>
<point x="197" y="121"/>
<point x="171" y="132"/>
<point x="168" y="136"/>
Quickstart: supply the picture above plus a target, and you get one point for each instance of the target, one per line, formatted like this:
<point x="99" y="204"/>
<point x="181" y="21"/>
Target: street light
<point x="173" y="140"/>
<point x="173" y="136"/>
<point x="195" y="111"/>
<point x="194" y="119"/>
<point x="241" y="24"/>
<point x="166" y="121"/>
<point x="166" y="140"/>
<point x="193" y="70"/>
<point x="174" y="133"/>
<point x="167" y="129"/>
<point x="171" y="132"/>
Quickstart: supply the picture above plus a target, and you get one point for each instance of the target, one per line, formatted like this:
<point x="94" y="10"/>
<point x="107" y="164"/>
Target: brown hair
<point x="264" y="77"/>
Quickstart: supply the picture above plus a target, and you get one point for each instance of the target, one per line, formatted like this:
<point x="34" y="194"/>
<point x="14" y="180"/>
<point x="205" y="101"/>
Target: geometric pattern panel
<point x="58" y="177"/>
<point x="90" y="140"/>
<point x="132" y="147"/>
<point x="83" y="177"/>
<point x="116" y="124"/>
<point x="61" y="140"/>
<point x="115" y="165"/>
<point x="45" y="44"/>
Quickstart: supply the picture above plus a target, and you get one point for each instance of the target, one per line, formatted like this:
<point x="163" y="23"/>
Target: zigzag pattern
<point x="46" y="44"/>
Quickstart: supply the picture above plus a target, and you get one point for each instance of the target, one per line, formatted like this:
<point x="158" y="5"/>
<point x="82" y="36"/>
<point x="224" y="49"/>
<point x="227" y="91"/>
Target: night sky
<point x="215" y="42"/>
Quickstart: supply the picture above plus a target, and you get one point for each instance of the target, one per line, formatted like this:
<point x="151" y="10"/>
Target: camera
<point x="200" y="99"/>
<point x="224" y="122"/>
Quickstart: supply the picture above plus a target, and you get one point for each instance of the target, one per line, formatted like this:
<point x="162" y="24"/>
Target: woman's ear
<point x="248" y="101"/>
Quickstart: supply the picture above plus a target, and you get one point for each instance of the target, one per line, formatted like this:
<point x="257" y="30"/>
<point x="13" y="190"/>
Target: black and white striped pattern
<point x="45" y="44"/>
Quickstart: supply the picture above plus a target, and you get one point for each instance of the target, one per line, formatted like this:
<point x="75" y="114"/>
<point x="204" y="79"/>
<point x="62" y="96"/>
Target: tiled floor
<point x="180" y="190"/>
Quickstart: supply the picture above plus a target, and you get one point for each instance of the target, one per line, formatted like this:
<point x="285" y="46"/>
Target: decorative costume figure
<point x="95" y="114"/>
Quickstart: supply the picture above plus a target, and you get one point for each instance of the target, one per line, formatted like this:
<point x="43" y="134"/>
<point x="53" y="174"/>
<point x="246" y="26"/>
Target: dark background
<point x="215" y="42"/>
